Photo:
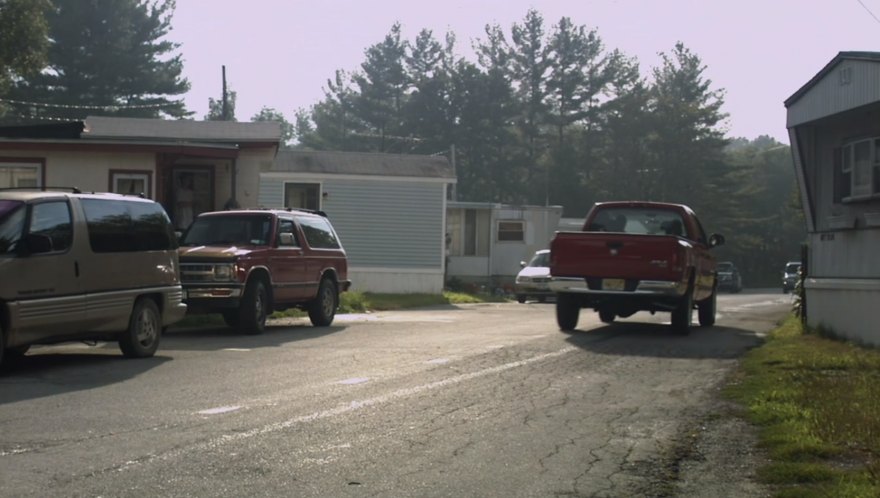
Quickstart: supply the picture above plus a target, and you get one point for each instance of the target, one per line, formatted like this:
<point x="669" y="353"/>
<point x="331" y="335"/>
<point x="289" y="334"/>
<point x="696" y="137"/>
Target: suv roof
<point x="275" y="211"/>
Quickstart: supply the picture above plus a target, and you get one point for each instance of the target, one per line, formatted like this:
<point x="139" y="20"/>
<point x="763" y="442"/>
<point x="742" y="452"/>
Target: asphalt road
<point x="473" y="400"/>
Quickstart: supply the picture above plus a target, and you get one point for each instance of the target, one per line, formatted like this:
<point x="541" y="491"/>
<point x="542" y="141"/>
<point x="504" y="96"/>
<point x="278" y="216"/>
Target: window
<point x="131" y="182"/>
<point x="229" y="229"/>
<point x="286" y="226"/>
<point x="19" y="175"/>
<point x="511" y="231"/>
<point x="120" y="226"/>
<point x="302" y="195"/>
<point x="11" y="225"/>
<point x="319" y="234"/>
<point x="52" y="220"/>
<point x="857" y="170"/>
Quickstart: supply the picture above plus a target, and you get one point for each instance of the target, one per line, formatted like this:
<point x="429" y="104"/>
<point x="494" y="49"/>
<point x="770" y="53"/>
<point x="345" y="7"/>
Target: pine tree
<point x="107" y="57"/>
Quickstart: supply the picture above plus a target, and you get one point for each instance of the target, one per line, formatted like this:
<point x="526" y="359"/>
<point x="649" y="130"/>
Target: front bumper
<point x="206" y="298"/>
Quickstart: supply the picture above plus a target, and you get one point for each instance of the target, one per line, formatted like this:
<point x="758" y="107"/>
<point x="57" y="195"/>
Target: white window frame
<point x="6" y="166"/>
<point x="116" y="176"/>
<point x="319" y="196"/>
<point x="862" y="171"/>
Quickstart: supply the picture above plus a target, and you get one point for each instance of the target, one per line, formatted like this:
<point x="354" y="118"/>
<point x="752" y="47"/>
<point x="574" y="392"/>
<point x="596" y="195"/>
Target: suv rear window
<point x="319" y="234"/>
<point x="120" y="226"/>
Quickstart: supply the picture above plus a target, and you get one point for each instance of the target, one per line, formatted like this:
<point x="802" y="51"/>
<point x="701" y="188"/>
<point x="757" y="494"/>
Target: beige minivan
<point x="86" y="266"/>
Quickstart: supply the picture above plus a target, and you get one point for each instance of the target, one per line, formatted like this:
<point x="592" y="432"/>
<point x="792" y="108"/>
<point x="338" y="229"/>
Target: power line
<point x="869" y="10"/>
<point x="113" y="107"/>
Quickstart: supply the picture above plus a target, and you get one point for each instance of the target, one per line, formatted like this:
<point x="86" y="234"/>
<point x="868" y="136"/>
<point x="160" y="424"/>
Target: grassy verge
<point x="362" y="302"/>
<point x="817" y="402"/>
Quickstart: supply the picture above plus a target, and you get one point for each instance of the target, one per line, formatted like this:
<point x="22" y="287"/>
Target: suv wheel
<point x="144" y="330"/>
<point x="323" y="308"/>
<point x="254" y="308"/>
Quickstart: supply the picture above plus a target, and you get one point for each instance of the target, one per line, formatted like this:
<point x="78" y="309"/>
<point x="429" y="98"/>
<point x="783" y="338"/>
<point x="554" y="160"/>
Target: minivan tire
<point x="141" y="339"/>
<point x="254" y="308"/>
<point x="322" y="309"/>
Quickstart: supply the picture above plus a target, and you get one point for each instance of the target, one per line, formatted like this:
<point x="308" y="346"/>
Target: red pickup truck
<point x="635" y="256"/>
<point x="244" y="264"/>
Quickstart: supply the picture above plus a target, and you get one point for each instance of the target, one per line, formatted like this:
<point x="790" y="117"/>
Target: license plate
<point x="613" y="284"/>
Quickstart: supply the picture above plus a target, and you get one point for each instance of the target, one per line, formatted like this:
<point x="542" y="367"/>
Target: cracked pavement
<point x="474" y="400"/>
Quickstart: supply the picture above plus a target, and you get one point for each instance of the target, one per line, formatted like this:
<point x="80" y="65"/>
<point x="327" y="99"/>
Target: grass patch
<point x="362" y="302"/>
<point x="817" y="402"/>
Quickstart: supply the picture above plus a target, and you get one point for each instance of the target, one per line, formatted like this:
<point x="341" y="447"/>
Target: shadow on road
<point x="661" y="341"/>
<point x="213" y="338"/>
<point x="49" y="371"/>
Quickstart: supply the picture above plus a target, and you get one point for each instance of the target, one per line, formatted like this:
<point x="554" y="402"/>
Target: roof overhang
<point x="190" y="149"/>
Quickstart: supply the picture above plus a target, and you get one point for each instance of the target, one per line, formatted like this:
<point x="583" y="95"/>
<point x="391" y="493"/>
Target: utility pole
<point x="225" y="102"/>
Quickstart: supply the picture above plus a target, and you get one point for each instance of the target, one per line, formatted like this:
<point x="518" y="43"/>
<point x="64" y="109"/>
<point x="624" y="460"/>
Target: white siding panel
<point x="388" y="224"/>
<point x="271" y="192"/>
<point x="845" y="254"/>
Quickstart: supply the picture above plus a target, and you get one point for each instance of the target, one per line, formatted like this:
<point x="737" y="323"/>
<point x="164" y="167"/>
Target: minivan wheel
<point x="144" y="330"/>
<point x="322" y="309"/>
<point x="254" y="308"/>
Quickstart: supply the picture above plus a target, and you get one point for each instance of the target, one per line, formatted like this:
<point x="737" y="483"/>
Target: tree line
<point x="543" y="114"/>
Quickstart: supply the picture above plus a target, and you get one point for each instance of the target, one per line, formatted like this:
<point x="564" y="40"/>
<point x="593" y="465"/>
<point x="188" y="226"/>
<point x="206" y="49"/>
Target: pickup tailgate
<point x="616" y="255"/>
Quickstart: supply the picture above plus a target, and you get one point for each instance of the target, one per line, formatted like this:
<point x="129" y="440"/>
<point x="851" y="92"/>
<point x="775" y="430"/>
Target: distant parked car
<point x="532" y="280"/>
<point x="790" y="275"/>
<point x="729" y="278"/>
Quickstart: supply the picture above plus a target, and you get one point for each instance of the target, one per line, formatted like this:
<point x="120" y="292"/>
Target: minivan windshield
<point x="792" y="267"/>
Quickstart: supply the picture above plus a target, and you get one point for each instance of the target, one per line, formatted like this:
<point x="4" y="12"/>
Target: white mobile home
<point x="835" y="137"/>
<point x="487" y="241"/>
<point x="387" y="208"/>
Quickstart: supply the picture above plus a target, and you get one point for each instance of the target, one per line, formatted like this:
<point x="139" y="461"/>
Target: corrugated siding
<point x="828" y="96"/>
<point x="390" y="224"/>
<point x="271" y="192"/>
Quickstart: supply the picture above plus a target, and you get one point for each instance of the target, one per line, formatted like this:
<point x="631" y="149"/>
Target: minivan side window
<point x="319" y="234"/>
<point x="11" y="225"/>
<point x="52" y="220"/>
<point x="125" y="226"/>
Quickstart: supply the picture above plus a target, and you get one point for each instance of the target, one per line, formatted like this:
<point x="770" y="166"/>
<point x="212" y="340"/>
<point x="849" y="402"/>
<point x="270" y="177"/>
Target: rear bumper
<point x="644" y="295"/>
<point x="663" y="288"/>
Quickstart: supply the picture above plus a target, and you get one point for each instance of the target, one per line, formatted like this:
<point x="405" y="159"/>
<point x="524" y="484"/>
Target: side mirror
<point x="35" y="243"/>
<point x="285" y="239"/>
<point x="716" y="239"/>
<point x="522" y="264"/>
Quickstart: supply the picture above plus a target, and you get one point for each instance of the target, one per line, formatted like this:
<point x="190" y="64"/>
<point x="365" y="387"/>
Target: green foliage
<point x="24" y="39"/>
<point x="216" y="111"/>
<point x="816" y="402"/>
<point x="106" y="57"/>
<point x="270" y="114"/>
<point x="552" y="116"/>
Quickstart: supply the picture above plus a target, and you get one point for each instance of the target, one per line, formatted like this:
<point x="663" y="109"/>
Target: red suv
<point x="245" y="264"/>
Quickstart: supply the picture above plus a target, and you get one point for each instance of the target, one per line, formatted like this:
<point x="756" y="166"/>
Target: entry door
<point x="190" y="192"/>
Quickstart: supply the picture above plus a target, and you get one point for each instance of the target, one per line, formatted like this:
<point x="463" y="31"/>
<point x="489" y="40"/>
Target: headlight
<point x="224" y="272"/>
<point x="521" y="280"/>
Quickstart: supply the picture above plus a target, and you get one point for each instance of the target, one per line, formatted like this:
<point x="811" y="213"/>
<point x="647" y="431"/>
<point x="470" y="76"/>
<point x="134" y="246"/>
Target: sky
<point x="280" y="53"/>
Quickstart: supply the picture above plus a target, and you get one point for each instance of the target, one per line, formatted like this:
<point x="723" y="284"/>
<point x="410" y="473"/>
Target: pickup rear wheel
<point x="706" y="309"/>
<point x="254" y="308"/>
<point x="568" y="310"/>
<point x="141" y="339"/>
<point x="322" y="309"/>
<point x="682" y="316"/>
